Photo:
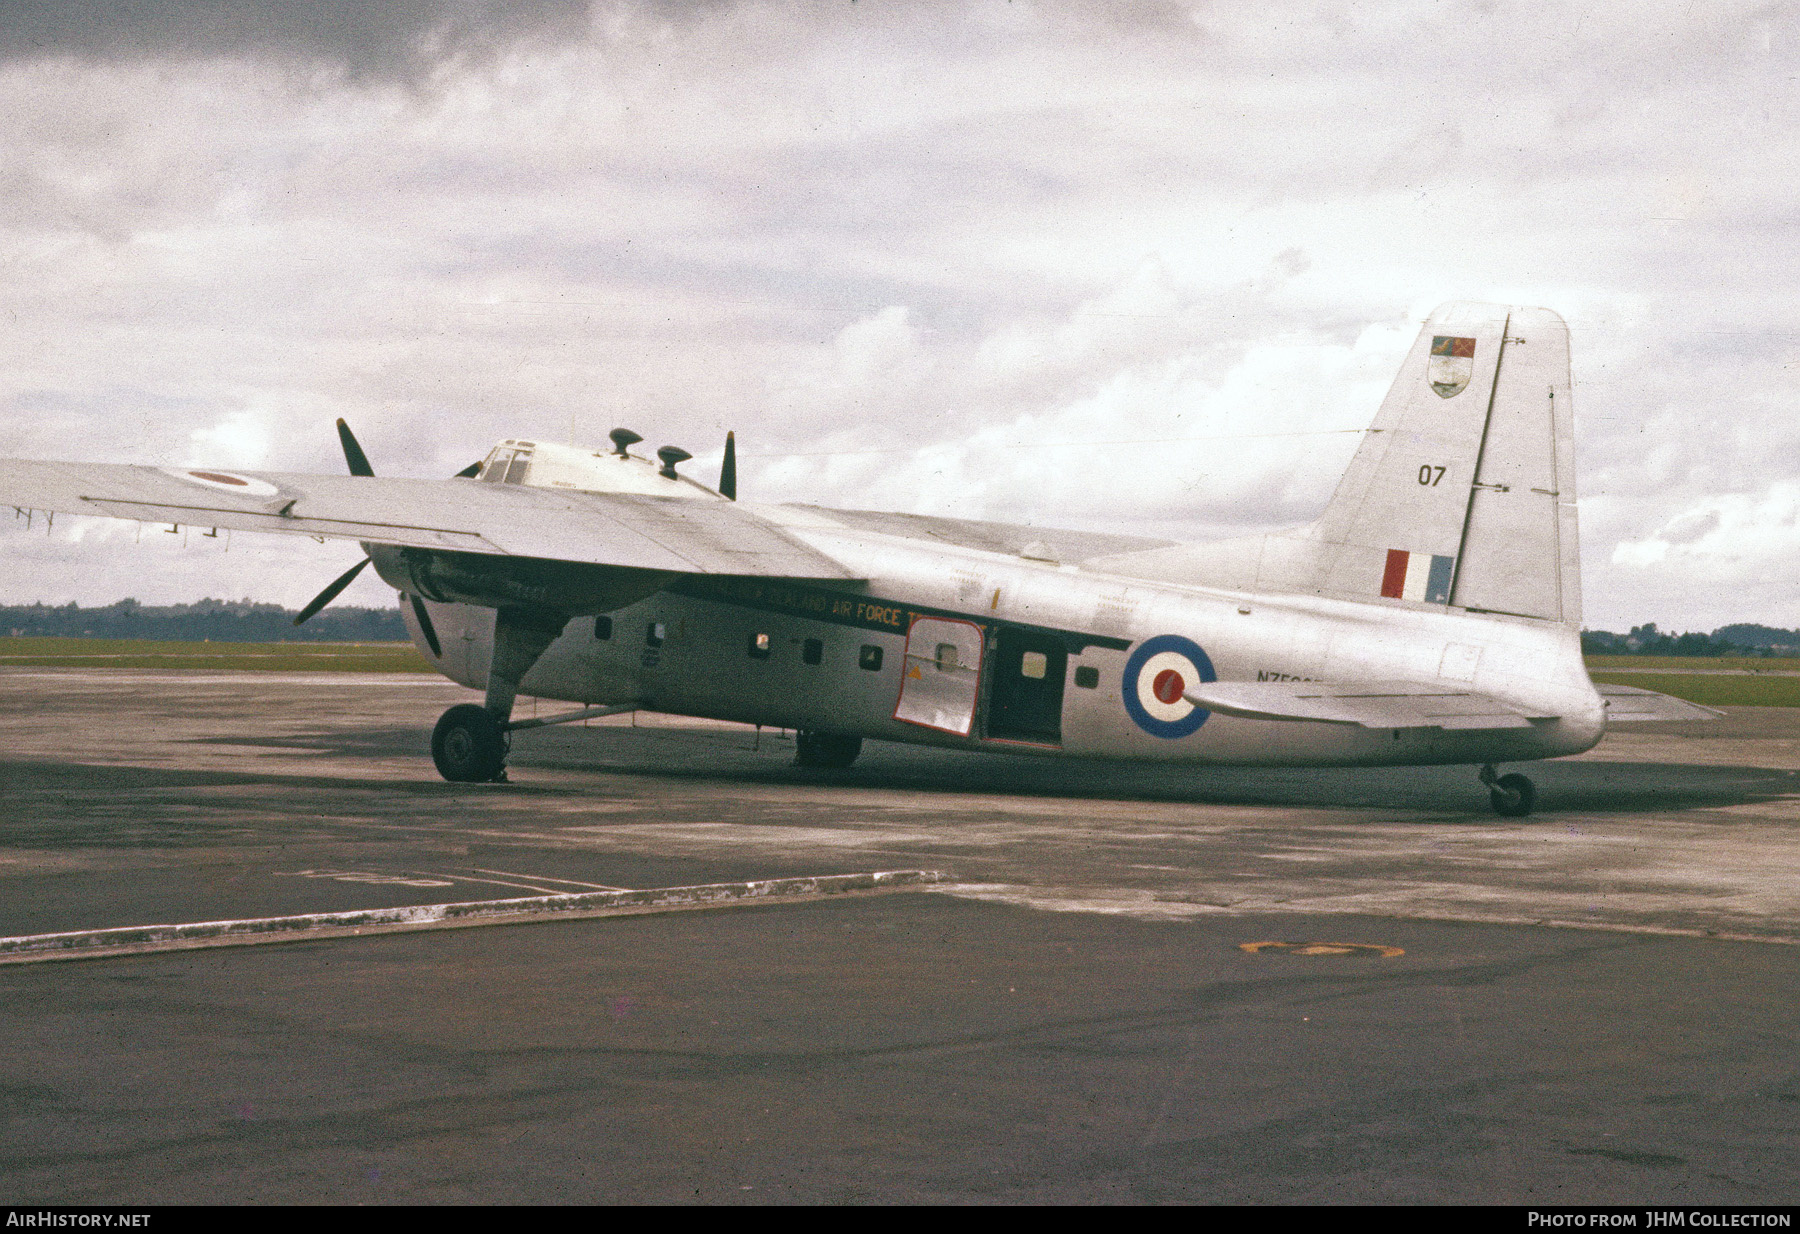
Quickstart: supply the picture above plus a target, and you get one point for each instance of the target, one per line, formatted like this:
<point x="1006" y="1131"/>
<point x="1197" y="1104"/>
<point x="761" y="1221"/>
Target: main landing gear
<point x="1513" y="795"/>
<point x="814" y="749"/>
<point x="470" y="741"/>
<point x="469" y="746"/>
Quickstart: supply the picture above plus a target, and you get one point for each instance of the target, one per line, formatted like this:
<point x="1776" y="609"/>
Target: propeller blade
<point x="331" y="593"/>
<point x="728" y="469"/>
<point x="353" y="453"/>
<point x="469" y="472"/>
<point x="425" y="626"/>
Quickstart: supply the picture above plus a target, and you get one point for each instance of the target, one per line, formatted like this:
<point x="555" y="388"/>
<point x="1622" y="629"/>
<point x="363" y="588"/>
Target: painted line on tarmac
<point x="1147" y="905"/>
<point x="544" y="878"/>
<point x="142" y="940"/>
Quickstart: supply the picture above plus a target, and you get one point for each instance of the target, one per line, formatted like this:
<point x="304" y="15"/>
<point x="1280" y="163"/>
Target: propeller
<point x="358" y="463"/>
<point x="425" y="626"/>
<point x="331" y="593"/>
<point x="728" y="469"/>
<point x="353" y="451"/>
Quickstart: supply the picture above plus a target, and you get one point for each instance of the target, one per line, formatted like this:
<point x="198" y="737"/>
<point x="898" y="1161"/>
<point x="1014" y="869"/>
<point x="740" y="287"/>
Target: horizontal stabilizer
<point x="1630" y="705"/>
<point x="1374" y="704"/>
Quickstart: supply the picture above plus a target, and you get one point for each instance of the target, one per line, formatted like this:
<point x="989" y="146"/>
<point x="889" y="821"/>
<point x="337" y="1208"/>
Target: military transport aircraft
<point x="1430" y="615"/>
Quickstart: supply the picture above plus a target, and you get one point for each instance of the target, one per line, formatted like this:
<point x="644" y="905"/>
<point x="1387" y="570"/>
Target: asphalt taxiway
<point x="1132" y="984"/>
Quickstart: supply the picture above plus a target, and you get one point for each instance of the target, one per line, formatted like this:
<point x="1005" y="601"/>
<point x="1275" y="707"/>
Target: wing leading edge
<point x="1399" y="704"/>
<point x="458" y="515"/>
<point x="1375" y="704"/>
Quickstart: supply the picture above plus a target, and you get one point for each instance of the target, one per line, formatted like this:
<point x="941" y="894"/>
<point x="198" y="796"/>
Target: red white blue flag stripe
<point x="1417" y="576"/>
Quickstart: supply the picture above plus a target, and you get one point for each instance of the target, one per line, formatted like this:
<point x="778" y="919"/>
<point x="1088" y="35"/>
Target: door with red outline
<point x="940" y="681"/>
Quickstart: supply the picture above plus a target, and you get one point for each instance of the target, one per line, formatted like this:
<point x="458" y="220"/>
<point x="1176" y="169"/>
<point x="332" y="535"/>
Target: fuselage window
<point x="759" y="646"/>
<point x="1033" y="664"/>
<point x="946" y="657"/>
<point x="603" y="628"/>
<point x="812" y="651"/>
<point x="654" y="633"/>
<point x="495" y="471"/>
<point x="517" y="469"/>
<point x="869" y="657"/>
<point x="1087" y="676"/>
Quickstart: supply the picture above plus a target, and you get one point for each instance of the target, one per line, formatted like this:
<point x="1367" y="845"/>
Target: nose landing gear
<point x="1513" y="795"/>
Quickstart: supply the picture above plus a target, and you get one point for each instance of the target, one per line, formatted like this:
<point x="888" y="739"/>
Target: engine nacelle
<point x="570" y="588"/>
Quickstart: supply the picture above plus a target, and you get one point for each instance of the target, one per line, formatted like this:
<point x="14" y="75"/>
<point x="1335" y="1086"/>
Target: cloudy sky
<point x="1134" y="265"/>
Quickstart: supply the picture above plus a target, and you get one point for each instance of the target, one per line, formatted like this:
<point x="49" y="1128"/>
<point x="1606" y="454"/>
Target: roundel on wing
<point x="1157" y="675"/>
<point x="224" y="481"/>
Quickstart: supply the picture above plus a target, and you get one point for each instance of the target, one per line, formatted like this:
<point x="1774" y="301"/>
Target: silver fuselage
<point x="695" y="650"/>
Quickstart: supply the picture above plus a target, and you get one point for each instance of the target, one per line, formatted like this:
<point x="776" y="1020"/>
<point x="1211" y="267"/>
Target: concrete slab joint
<point x="131" y="940"/>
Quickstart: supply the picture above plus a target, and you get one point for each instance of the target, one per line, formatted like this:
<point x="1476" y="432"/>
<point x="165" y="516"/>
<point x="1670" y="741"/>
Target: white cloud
<point x="1728" y="537"/>
<point x="241" y="439"/>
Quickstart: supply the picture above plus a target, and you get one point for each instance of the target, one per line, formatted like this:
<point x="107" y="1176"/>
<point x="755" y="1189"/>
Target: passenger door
<point x="942" y="673"/>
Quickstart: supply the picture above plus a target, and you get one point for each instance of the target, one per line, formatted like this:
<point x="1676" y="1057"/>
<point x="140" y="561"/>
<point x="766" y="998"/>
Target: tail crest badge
<point x="1452" y="364"/>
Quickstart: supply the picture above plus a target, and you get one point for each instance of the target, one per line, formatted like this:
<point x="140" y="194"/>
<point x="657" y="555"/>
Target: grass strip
<point x="1767" y="664"/>
<point x="1722" y="690"/>
<point x="136" y="653"/>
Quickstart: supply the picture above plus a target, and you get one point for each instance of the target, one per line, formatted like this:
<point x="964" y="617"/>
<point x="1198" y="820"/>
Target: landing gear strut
<point x="470" y="742"/>
<point x="815" y="749"/>
<point x="1512" y="795"/>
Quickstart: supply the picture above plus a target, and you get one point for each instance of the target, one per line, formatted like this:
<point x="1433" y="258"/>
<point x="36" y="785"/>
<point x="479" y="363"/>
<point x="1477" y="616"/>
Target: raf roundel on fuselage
<point x="1157" y="676"/>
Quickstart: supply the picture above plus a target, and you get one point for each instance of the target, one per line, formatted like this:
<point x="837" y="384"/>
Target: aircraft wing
<point x="1376" y="704"/>
<point x="459" y="515"/>
<point x="1630" y="705"/>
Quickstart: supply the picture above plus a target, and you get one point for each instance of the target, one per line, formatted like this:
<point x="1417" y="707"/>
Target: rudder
<point x="1521" y="544"/>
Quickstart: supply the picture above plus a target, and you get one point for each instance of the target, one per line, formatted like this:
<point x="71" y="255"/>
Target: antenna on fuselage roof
<point x="728" y="469"/>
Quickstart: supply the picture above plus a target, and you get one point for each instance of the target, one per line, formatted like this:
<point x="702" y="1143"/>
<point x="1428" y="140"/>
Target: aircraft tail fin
<point x="1463" y="491"/>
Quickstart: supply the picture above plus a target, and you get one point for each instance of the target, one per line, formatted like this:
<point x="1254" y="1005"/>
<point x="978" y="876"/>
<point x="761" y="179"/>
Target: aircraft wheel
<point x="468" y="745"/>
<point x="1513" y="796"/>
<point x="813" y="749"/>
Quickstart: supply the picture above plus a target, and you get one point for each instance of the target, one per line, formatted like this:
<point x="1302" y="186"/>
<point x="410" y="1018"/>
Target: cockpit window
<point x="506" y="467"/>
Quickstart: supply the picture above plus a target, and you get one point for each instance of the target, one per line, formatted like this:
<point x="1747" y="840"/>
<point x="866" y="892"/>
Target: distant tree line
<point x="220" y="621"/>
<point x="1743" y="639"/>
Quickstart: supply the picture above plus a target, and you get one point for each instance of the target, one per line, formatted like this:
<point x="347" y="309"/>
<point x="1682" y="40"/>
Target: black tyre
<point x="1513" y="796"/>
<point x="468" y="745"/>
<point x="825" y="749"/>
